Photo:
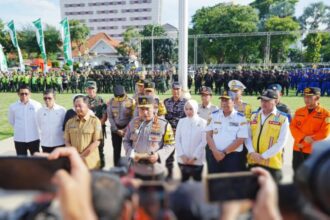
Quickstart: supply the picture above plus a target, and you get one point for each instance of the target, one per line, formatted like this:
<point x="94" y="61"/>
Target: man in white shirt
<point x="50" y="120"/>
<point x="206" y="107"/>
<point x="269" y="134"/>
<point x="22" y="116"/>
<point x="226" y="132"/>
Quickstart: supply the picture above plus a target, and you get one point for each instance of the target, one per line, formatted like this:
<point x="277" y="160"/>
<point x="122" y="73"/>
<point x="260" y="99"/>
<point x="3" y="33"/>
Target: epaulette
<point x="240" y="114"/>
<point x="282" y="113"/>
<point x="215" y="111"/>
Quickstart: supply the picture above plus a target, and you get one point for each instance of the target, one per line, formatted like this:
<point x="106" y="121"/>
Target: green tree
<point x="280" y="44"/>
<point x="53" y="40"/>
<point x="5" y="40"/>
<point x="225" y="18"/>
<point x="265" y="6"/>
<point x="282" y="9"/>
<point x="164" y="49"/>
<point x="325" y="47"/>
<point x="129" y="45"/>
<point x="29" y="44"/>
<point x="79" y="33"/>
<point x="314" y="16"/>
<point x="313" y="42"/>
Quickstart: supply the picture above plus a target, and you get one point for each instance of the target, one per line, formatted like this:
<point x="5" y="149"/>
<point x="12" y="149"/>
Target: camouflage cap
<point x="90" y="84"/>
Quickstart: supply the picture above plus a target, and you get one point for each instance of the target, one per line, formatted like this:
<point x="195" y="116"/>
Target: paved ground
<point x="12" y="200"/>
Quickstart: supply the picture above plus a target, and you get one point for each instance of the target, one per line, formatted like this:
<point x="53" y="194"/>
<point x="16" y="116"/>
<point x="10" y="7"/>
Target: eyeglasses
<point x="48" y="98"/>
<point x="24" y="93"/>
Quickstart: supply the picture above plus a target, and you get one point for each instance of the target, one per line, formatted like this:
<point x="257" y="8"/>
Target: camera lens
<point x="322" y="184"/>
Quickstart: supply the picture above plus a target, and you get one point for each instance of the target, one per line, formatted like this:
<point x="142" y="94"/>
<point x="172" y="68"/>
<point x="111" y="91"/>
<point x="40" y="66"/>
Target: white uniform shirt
<point x="50" y="123"/>
<point x="227" y="129"/>
<point x="205" y="112"/>
<point x="23" y="118"/>
<point x="190" y="139"/>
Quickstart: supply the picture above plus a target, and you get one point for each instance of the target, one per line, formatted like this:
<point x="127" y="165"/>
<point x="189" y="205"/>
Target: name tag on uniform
<point x="274" y="122"/>
<point x="156" y="138"/>
<point x="233" y="124"/>
<point x="217" y="122"/>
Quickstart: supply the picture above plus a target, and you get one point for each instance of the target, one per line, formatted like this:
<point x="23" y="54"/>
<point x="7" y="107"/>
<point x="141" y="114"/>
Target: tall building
<point x="112" y="16"/>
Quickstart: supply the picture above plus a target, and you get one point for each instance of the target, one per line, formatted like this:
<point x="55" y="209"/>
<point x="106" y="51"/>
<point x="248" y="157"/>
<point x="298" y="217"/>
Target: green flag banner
<point x="3" y="60"/>
<point x="13" y="36"/>
<point x="41" y="41"/>
<point x="66" y="39"/>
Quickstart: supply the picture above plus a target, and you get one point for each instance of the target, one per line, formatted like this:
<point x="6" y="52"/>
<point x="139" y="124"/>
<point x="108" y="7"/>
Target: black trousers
<point x="194" y="171"/>
<point x="159" y="177"/>
<point x="276" y="174"/>
<point x="170" y="165"/>
<point x="22" y="148"/>
<point x="298" y="159"/>
<point x="233" y="162"/>
<point x="50" y="149"/>
<point x="116" y="143"/>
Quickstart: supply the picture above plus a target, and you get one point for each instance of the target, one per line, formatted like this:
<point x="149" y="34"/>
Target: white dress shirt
<point x="50" y="123"/>
<point x="226" y="129"/>
<point x="282" y="138"/>
<point x="205" y="111"/>
<point x="190" y="139"/>
<point x="23" y="118"/>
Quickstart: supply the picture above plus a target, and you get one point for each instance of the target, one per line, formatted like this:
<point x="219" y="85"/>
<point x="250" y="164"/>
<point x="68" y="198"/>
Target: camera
<point x="313" y="176"/>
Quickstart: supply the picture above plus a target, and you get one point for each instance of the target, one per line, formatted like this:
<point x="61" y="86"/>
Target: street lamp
<point x="152" y="48"/>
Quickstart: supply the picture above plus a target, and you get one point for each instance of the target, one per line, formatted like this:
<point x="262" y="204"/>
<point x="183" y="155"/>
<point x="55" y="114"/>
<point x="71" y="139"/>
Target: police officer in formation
<point x="99" y="108"/>
<point x="120" y="112"/>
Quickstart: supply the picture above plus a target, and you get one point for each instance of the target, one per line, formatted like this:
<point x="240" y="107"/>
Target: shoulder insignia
<point x="240" y="114"/>
<point x="215" y="111"/>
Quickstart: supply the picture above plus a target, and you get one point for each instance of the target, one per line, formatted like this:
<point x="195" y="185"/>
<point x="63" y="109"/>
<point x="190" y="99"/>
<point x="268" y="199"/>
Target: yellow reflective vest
<point x="265" y="136"/>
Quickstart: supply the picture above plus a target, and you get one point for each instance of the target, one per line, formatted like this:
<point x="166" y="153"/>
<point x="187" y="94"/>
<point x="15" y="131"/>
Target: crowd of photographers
<point x="155" y="134"/>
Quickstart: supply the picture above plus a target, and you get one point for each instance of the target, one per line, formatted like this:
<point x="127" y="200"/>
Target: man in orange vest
<point x="309" y="124"/>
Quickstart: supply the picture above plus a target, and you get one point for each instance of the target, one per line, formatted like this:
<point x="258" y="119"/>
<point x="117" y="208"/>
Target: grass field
<point x="66" y="100"/>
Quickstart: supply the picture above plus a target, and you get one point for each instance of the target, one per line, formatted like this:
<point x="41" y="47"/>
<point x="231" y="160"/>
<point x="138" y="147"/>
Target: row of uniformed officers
<point x="231" y="138"/>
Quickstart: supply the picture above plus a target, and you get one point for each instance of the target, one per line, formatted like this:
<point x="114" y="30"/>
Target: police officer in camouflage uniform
<point x="97" y="105"/>
<point x="148" y="142"/>
<point x="175" y="110"/>
<point x="120" y="112"/>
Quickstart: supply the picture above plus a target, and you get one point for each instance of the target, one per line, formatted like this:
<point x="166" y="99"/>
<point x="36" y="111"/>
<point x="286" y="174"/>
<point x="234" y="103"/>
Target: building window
<point x="133" y="2"/>
<point x="107" y="3"/>
<point x="140" y="18"/>
<point x="107" y="28"/>
<point x="124" y="27"/>
<point x="115" y="35"/>
<point x="136" y="10"/>
<point x="79" y="13"/>
<point x="107" y="12"/>
<point x="74" y="5"/>
<point x="106" y="19"/>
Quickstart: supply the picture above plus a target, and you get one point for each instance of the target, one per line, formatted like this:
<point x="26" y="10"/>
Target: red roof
<point x="93" y="40"/>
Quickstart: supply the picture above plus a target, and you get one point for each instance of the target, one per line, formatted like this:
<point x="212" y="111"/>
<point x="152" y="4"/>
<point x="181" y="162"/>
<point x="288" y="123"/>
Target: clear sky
<point x="26" y="11"/>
